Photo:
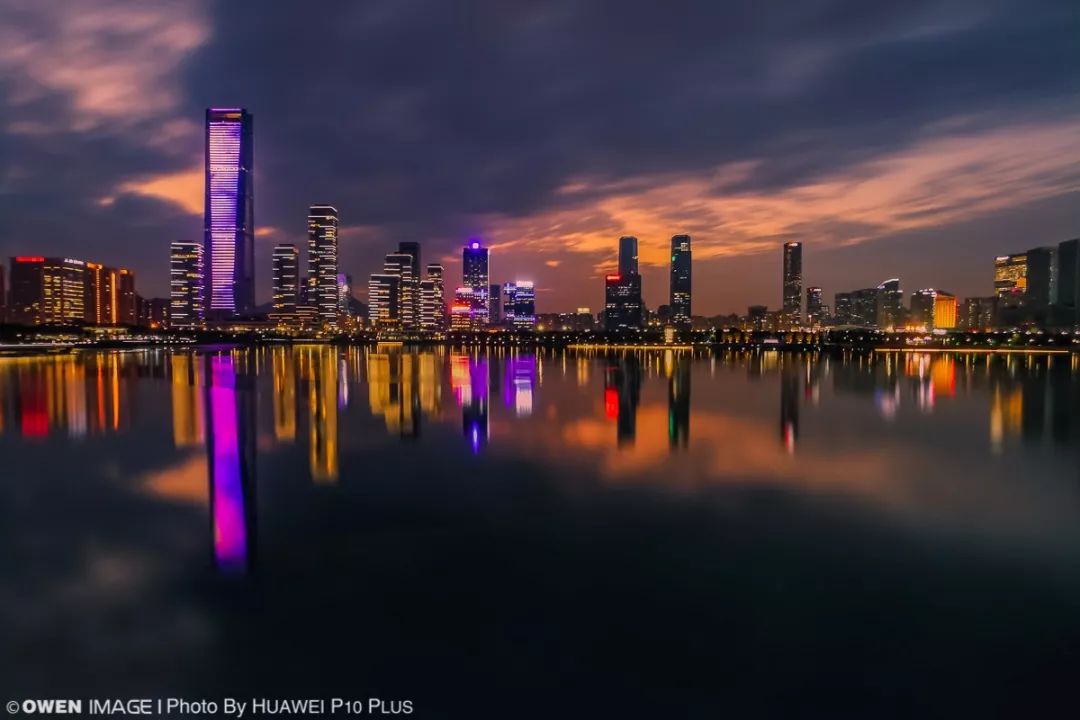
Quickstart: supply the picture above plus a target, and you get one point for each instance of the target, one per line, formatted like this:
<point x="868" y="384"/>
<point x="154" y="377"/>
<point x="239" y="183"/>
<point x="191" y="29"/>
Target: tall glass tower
<point x="229" y="220"/>
<point x="474" y="275"/>
<point x="680" y="280"/>
<point x="628" y="257"/>
<point x="323" y="262"/>
<point x="792" y="307"/>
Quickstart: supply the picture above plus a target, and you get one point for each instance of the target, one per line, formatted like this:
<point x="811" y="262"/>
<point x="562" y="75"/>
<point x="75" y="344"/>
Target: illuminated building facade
<point x="186" y="292"/>
<point x="680" y="280"/>
<point x="944" y="311"/>
<point x="435" y="275"/>
<point x="229" y="220"/>
<point x="521" y="305"/>
<point x="410" y="285"/>
<point x="102" y="285"/>
<point x="286" y="261"/>
<point x="461" y="311"/>
<point x="383" y="311"/>
<point x="622" y="302"/>
<point x="128" y="310"/>
<point x="792" y="281"/>
<point x="403" y="267"/>
<point x="430" y="307"/>
<point x="322" y="284"/>
<point x="474" y="275"/>
<point x="1010" y="275"/>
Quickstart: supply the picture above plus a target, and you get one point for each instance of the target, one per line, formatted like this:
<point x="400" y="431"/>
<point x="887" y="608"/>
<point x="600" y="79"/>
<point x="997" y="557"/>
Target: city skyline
<point x="788" y="133"/>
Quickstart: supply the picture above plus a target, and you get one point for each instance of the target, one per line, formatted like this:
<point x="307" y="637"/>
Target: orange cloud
<point x="935" y="182"/>
<point x="185" y="188"/>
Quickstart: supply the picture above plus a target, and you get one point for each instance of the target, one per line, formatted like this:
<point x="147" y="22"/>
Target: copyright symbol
<point x="12" y="707"/>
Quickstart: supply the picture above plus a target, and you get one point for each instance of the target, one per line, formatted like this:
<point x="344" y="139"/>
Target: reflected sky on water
<point x="436" y="524"/>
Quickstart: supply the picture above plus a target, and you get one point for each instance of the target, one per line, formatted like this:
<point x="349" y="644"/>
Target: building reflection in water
<point x="283" y="367"/>
<point x="187" y="400"/>
<point x="469" y="382"/>
<point x="622" y="394"/>
<point x="519" y="382"/>
<point x="790" y="376"/>
<point x="322" y="372"/>
<point x="230" y="448"/>
<point x="677" y="367"/>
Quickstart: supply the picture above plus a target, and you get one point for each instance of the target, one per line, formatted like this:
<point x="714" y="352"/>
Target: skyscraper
<point x="890" y="304"/>
<point x="522" y="304"/>
<point x="1068" y="282"/>
<point x="1010" y="275"/>
<point x="495" y="304"/>
<point x="128" y="304"/>
<point x="435" y="275"/>
<point x="815" y="315"/>
<point x="792" y="305"/>
<point x="411" y="312"/>
<point x="474" y="275"/>
<point x="286" y="278"/>
<point x="186" y="292"/>
<point x="102" y="287"/>
<point x="622" y="302"/>
<point x="27" y="289"/>
<point x="401" y="265"/>
<point x="1041" y="276"/>
<point x="383" y="309"/>
<point x="628" y="255"/>
<point x="323" y="262"/>
<point x="680" y="280"/>
<point x="229" y="220"/>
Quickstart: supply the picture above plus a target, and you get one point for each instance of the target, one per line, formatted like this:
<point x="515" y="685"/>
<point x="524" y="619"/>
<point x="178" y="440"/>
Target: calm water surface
<point x="658" y="534"/>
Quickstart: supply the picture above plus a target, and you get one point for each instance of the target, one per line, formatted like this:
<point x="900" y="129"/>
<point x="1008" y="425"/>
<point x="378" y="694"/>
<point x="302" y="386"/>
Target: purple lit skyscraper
<point x="229" y="220"/>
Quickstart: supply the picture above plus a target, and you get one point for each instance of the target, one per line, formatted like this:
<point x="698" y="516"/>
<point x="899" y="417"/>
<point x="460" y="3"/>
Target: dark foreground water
<point x="526" y="535"/>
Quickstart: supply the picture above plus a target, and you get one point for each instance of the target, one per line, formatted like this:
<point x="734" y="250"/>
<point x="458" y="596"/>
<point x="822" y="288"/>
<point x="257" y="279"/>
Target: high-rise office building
<point x="323" y="263"/>
<point x="680" y="280"/>
<point x="383" y="294"/>
<point x="521" y="305"/>
<point x="3" y="297"/>
<point x="858" y="308"/>
<point x="890" y="304"/>
<point x="474" y="275"/>
<point x="1010" y="275"/>
<point x="229" y="219"/>
<point x="128" y="310"/>
<point x="286" y="278"/>
<point x="1041" y="276"/>
<point x="495" y="314"/>
<point x="429" y="307"/>
<point x="944" y="310"/>
<point x="792" y="301"/>
<point x="102" y="288"/>
<point x="814" y="307"/>
<point x="401" y="266"/>
<point x="628" y="255"/>
<point x="435" y="275"/>
<point x="622" y="302"/>
<point x="27" y="285"/>
<point x="186" y="292"/>
<point x="461" y="311"/>
<point x="933" y="309"/>
<point x="412" y="311"/>
<point x="977" y="314"/>
<point x="1067" y="300"/>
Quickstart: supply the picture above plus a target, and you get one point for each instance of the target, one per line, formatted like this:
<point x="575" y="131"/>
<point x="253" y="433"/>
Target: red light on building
<point x="613" y="278"/>
<point x="611" y="403"/>
<point x="29" y="259"/>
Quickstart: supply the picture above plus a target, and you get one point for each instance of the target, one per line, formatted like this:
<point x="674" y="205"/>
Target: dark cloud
<point x="416" y="116"/>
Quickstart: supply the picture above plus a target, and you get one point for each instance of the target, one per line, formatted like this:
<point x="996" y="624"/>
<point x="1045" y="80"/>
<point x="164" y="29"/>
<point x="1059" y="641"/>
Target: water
<point x="661" y="534"/>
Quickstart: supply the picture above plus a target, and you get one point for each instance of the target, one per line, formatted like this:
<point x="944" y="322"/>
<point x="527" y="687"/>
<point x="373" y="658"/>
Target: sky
<point x="913" y="139"/>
